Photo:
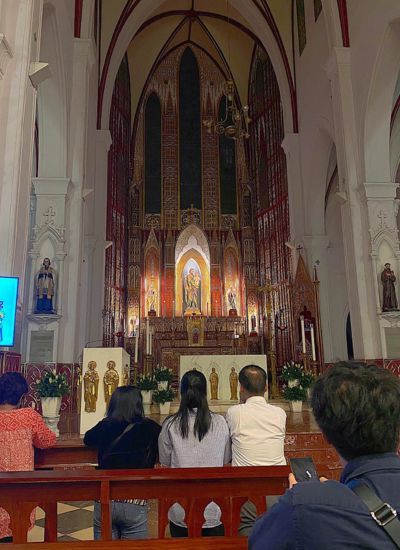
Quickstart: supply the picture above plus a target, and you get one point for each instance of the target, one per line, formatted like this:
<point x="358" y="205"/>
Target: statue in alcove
<point x="192" y="285"/>
<point x="232" y="299"/>
<point x="151" y="299"/>
<point x="45" y="288"/>
<point x="389" y="299"/>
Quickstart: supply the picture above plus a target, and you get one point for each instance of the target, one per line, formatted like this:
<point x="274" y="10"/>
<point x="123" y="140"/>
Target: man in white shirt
<point x="257" y="431"/>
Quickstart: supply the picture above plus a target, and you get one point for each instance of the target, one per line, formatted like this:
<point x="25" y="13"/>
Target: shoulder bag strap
<point x="115" y="442"/>
<point x="381" y="512"/>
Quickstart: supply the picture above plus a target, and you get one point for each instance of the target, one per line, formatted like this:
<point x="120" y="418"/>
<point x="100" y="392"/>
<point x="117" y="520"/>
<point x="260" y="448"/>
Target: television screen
<point x="8" y="309"/>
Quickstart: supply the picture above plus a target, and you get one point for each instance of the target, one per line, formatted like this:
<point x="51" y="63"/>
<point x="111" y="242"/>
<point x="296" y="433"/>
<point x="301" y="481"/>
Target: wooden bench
<point x="193" y="488"/>
<point x="203" y="543"/>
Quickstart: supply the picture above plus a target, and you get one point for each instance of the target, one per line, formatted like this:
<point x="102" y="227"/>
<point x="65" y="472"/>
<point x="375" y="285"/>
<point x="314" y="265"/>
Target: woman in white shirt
<point x="194" y="437"/>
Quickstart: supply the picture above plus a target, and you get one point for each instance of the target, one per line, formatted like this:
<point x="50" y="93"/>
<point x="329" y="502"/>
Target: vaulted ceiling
<point x="216" y="26"/>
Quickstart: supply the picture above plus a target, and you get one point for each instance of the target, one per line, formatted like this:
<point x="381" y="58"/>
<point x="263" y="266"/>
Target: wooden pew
<point x="203" y="543"/>
<point x="193" y="488"/>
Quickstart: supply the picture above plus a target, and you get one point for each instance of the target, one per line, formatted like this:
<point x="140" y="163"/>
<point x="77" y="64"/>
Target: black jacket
<point x="138" y="448"/>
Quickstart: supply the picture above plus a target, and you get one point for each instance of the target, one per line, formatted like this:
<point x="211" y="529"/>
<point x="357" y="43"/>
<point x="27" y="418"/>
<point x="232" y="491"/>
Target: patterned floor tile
<point x="62" y="508"/>
<point x="83" y="534"/>
<point x="80" y="504"/>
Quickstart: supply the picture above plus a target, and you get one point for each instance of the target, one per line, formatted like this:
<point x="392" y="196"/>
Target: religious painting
<point x="231" y="279"/>
<point x="152" y="276"/>
<point x="191" y="281"/>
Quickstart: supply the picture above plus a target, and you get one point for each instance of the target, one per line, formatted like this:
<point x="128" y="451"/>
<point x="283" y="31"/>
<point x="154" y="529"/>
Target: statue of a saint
<point x="91" y="387"/>
<point x="232" y="298"/>
<point x="389" y="300"/>
<point x="126" y="376"/>
<point x="233" y="382"/>
<point x="214" y="384"/>
<point x="192" y="284"/>
<point x="45" y="285"/>
<point x="110" y="381"/>
<point x="151" y="298"/>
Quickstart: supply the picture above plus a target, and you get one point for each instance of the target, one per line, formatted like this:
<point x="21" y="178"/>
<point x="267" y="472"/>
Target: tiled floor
<point x="75" y="522"/>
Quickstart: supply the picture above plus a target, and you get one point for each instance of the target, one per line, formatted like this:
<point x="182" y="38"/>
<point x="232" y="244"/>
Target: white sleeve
<point x="165" y="445"/>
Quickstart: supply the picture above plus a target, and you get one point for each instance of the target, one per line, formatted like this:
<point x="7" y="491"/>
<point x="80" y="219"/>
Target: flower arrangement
<point x="147" y="383"/>
<point x="306" y="381"/>
<point x="163" y="374"/>
<point x="295" y="393"/>
<point x="163" y="396"/>
<point x="52" y="384"/>
<point x="292" y="371"/>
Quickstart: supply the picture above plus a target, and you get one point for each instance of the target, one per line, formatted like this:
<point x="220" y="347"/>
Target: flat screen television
<point x="8" y="309"/>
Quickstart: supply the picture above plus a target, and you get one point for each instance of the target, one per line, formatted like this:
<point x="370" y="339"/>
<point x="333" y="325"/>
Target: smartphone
<point x="304" y="469"/>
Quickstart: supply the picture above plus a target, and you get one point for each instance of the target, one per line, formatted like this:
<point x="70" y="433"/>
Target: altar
<point x="221" y="372"/>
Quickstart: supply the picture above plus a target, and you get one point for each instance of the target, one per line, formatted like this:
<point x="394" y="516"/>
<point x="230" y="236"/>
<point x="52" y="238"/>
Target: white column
<point x="20" y="26"/>
<point x="291" y="146"/>
<point x="73" y="322"/>
<point x="97" y="228"/>
<point x="357" y="247"/>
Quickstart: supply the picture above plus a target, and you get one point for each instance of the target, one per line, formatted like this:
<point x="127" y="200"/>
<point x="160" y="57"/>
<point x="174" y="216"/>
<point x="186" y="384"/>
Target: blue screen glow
<point x="8" y="308"/>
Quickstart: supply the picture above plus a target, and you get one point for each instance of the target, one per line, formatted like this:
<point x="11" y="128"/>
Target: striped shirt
<point x="213" y="450"/>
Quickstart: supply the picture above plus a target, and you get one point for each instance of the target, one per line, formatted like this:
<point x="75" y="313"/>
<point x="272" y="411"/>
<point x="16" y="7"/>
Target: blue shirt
<point x="315" y="515"/>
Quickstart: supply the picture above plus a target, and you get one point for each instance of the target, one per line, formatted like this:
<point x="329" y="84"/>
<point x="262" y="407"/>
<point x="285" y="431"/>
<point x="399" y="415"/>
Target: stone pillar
<point x="291" y="146"/>
<point x="20" y="26"/>
<point x="97" y="230"/>
<point x="74" y="299"/>
<point x="359" y="272"/>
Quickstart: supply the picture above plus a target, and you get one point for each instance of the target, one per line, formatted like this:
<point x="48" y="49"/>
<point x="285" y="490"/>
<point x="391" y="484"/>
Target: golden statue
<point x="91" y="387"/>
<point x="233" y="382"/>
<point x="214" y="384"/>
<point x="110" y="381"/>
<point x="126" y="376"/>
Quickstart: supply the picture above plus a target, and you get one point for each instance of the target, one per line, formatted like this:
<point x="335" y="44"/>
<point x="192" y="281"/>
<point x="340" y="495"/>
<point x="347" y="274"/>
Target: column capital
<point x="380" y="190"/>
<point x="51" y="186"/>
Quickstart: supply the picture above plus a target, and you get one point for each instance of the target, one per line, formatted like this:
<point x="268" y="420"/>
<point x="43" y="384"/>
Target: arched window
<point x="152" y="156"/>
<point x="227" y="169"/>
<point x="189" y="132"/>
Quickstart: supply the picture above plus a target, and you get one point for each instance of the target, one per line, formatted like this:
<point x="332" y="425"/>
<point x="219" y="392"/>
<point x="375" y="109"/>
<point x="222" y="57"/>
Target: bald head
<point x="253" y="381"/>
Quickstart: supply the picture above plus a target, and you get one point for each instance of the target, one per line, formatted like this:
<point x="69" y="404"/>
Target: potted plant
<point x="164" y="398"/>
<point x="295" y="395"/>
<point x="51" y="388"/>
<point x="147" y="385"/>
<point x="307" y="381"/>
<point x="163" y="377"/>
<point x="292" y="373"/>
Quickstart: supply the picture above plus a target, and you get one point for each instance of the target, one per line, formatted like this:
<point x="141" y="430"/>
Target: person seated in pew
<point x="125" y="439"/>
<point x="357" y="407"/>
<point x="194" y="437"/>
<point x="257" y="430"/>
<point x="21" y="429"/>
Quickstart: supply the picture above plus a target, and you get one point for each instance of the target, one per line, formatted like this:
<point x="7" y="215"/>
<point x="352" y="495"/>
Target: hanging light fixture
<point x="236" y="120"/>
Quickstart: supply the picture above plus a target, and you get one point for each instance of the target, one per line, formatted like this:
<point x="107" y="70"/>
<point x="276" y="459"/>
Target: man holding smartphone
<point x="357" y="407"/>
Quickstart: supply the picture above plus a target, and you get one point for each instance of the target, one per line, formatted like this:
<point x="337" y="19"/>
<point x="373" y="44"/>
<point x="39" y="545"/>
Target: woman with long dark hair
<point x="125" y="439"/>
<point x="194" y="437"/>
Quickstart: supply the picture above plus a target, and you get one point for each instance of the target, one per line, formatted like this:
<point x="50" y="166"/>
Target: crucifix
<point x="49" y="215"/>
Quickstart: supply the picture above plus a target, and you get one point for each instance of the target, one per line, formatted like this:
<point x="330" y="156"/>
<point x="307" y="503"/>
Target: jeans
<point x="129" y="521"/>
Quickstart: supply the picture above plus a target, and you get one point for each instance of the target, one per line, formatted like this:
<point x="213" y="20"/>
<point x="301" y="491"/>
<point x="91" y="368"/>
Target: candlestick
<point x="207" y="309"/>
<point x="173" y="309"/>
<point x="147" y="335"/>
<point x="314" y="356"/>
<point x="303" y="334"/>
<point x="136" y="346"/>
<point x="151" y="341"/>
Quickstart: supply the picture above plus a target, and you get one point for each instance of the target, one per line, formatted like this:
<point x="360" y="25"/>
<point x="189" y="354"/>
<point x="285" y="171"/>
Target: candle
<point x="303" y="334"/>
<point x="207" y="309"/>
<point x="314" y="356"/>
<point x="151" y="341"/>
<point x="173" y="309"/>
<point x="136" y="346"/>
